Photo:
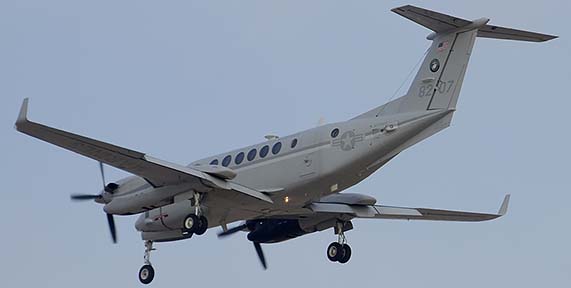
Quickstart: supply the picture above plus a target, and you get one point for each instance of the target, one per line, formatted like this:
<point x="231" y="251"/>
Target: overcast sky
<point x="182" y="80"/>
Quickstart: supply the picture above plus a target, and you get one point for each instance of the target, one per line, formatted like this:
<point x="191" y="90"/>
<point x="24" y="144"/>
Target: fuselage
<point x="294" y="170"/>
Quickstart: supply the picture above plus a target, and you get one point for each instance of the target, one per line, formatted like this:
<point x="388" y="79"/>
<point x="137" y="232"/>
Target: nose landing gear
<point x="147" y="272"/>
<point x="339" y="251"/>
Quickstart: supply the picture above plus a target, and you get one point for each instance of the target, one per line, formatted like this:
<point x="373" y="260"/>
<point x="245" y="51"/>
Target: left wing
<point x="156" y="171"/>
<point x="391" y="212"/>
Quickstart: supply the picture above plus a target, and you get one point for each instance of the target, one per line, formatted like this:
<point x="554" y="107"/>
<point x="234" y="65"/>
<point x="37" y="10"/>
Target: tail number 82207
<point x="442" y="88"/>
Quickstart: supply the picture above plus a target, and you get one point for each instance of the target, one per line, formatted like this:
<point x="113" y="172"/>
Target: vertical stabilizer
<point x="439" y="79"/>
<point x="438" y="82"/>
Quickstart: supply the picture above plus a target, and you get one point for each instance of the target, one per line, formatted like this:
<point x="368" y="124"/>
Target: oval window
<point x="293" y="143"/>
<point x="277" y="147"/>
<point x="226" y="161"/>
<point x="264" y="151"/>
<point x="214" y="162"/>
<point x="252" y="154"/>
<point x="239" y="158"/>
<point x="335" y="132"/>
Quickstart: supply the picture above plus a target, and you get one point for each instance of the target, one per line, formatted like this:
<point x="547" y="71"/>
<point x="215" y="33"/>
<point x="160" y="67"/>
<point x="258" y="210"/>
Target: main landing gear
<point x="339" y="251"/>
<point x="147" y="273"/>
<point x="195" y="223"/>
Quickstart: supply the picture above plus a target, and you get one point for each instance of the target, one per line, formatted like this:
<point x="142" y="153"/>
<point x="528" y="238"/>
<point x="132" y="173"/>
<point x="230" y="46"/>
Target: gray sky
<point x="182" y="80"/>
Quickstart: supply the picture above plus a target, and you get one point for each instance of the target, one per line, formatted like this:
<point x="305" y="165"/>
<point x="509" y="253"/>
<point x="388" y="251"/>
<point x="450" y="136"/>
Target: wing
<point x="391" y="212"/>
<point x="157" y="172"/>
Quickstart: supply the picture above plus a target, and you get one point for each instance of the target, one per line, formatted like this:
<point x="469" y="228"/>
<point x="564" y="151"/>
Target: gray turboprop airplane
<point x="287" y="187"/>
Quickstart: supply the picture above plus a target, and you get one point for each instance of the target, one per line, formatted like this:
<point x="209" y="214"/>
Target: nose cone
<point x="104" y="199"/>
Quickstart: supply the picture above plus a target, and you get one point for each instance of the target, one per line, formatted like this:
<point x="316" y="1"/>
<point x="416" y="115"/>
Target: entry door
<point x="308" y="162"/>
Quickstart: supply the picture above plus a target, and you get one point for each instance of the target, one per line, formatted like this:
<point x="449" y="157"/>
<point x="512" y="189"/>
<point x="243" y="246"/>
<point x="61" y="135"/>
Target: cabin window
<point x="264" y="151"/>
<point x="214" y="162"/>
<point x="277" y="147"/>
<point x="335" y="132"/>
<point x="239" y="158"/>
<point x="226" y="161"/>
<point x="252" y="154"/>
<point x="293" y="143"/>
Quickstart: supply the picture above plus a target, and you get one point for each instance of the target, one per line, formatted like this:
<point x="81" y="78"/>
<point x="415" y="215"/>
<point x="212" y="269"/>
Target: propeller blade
<point x="102" y="170"/>
<point x="260" y="254"/>
<point x="111" y="223"/>
<point x="80" y="197"/>
<point x="232" y="230"/>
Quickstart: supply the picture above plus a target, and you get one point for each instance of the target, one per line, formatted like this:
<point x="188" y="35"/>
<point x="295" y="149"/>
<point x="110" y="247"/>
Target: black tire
<point x="346" y="254"/>
<point x="146" y="274"/>
<point x="202" y="226"/>
<point x="334" y="252"/>
<point x="190" y="223"/>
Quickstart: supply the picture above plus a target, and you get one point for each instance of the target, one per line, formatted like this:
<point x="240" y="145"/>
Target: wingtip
<point x="552" y="37"/>
<point x="504" y="208"/>
<point x="23" y="115"/>
<point x="546" y="37"/>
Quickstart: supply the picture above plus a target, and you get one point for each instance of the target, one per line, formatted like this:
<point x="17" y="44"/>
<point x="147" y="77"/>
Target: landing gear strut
<point x="147" y="273"/>
<point x="339" y="251"/>
<point x="195" y="223"/>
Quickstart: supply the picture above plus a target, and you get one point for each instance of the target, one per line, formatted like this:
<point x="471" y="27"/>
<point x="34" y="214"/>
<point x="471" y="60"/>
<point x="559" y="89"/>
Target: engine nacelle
<point x="165" y="236"/>
<point x="169" y="217"/>
<point x="134" y="195"/>
<point x="274" y="230"/>
<point x="278" y="230"/>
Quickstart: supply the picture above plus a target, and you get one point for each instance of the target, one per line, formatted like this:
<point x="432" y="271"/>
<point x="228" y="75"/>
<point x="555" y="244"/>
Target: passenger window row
<point x="276" y="148"/>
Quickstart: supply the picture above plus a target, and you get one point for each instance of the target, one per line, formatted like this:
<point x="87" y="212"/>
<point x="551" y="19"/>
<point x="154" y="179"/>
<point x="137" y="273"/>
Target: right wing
<point x="406" y="213"/>
<point x="156" y="171"/>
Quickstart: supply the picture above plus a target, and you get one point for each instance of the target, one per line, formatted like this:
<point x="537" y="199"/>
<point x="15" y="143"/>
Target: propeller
<point x="109" y="188"/>
<point x="102" y="170"/>
<point x="82" y="197"/>
<point x="232" y="230"/>
<point x="260" y="252"/>
<point x="257" y="245"/>
<point x="111" y="223"/>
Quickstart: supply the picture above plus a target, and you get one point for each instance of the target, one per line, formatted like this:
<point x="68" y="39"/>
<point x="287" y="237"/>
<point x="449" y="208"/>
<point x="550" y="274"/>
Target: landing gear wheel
<point x="334" y="252"/>
<point x="202" y="225"/>
<point x="146" y="274"/>
<point x="191" y="224"/>
<point x="346" y="255"/>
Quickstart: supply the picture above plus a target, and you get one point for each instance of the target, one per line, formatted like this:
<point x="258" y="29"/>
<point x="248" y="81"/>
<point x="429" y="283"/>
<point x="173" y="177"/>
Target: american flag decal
<point x="442" y="46"/>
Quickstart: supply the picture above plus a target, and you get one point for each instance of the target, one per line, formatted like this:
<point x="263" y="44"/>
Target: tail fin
<point x="439" y="79"/>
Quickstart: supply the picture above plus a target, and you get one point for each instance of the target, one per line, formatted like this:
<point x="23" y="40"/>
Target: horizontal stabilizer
<point x="442" y="23"/>
<point x="491" y="31"/>
<point x="432" y="20"/>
